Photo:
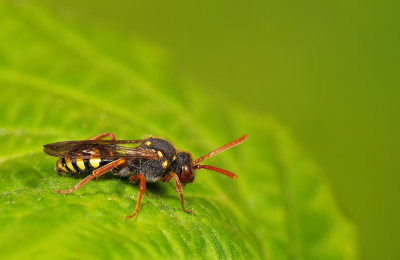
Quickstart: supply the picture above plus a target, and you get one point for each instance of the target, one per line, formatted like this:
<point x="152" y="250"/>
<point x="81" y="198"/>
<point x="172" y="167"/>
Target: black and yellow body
<point x="146" y="160"/>
<point x="163" y="162"/>
<point x="67" y="165"/>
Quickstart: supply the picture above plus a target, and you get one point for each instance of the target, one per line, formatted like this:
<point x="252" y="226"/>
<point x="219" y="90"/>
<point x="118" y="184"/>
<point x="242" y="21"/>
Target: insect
<point x="144" y="160"/>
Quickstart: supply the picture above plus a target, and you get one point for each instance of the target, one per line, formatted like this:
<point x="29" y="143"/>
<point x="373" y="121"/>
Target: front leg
<point x="178" y="188"/>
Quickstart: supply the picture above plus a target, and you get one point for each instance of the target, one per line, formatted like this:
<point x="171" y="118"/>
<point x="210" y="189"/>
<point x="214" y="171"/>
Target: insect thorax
<point x="150" y="168"/>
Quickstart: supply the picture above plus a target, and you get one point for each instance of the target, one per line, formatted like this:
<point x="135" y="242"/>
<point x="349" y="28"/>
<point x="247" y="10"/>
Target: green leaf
<point x="60" y="81"/>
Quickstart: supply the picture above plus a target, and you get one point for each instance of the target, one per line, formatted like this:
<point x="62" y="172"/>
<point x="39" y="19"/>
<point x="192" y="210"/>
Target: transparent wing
<point x="111" y="149"/>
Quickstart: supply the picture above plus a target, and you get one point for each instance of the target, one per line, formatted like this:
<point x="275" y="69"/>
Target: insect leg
<point x="102" y="135"/>
<point x="178" y="188"/>
<point x="142" y="188"/>
<point x="96" y="173"/>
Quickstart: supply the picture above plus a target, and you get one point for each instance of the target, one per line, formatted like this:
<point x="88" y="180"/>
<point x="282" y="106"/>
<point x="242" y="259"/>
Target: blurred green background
<point x="326" y="70"/>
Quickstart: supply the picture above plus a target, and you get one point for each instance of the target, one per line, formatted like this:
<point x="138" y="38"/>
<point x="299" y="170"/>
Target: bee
<point x="145" y="160"/>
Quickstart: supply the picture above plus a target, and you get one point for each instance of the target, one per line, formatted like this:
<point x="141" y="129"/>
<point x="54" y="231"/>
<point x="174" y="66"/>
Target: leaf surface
<point x="59" y="82"/>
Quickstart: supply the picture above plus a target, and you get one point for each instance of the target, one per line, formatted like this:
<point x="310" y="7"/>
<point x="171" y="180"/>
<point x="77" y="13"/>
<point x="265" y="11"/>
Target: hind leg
<point x="96" y="173"/>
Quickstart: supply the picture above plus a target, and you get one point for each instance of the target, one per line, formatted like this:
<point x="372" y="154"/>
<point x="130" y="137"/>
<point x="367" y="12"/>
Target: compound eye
<point x="185" y="174"/>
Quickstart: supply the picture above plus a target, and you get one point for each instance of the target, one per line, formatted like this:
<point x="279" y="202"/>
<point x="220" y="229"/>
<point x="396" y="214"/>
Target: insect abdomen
<point x="65" y="165"/>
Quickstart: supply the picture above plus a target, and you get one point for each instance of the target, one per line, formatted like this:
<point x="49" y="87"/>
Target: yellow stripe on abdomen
<point x="95" y="162"/>
<point x="80" y="164"/>
<point x="69" y="164"/>
<point x="60" y="165"/>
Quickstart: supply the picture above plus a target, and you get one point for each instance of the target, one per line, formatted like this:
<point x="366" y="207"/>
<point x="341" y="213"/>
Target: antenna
<point x="222" y="148"/>
<point x="218" y="150"/>
<point x="216" y="169"/>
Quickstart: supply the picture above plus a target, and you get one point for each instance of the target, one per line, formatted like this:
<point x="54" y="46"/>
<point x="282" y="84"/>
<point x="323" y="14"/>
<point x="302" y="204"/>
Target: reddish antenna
<point x="216" y="169"/>
<point x="222" y="148"/>
<point x="218" y="150"/>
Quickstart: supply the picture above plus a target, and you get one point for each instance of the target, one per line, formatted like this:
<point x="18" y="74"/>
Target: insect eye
<point x="186" y="174"/>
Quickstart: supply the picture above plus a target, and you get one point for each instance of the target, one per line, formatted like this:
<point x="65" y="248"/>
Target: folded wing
<point x="110" y="149"/>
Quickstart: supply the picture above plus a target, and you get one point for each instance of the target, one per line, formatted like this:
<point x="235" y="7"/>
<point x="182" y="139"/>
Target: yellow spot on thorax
<point x="174" y="158"/>
<point x="164" y="164"/>
<point x="148" y="143"/>
<point x="160" y="154"/>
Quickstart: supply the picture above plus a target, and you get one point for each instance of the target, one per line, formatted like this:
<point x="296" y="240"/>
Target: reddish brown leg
<point x="96" y="173"/>
<point x="142" y="188"/>
<point x="102" y="135"/>
<point x="178" y="188"/>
